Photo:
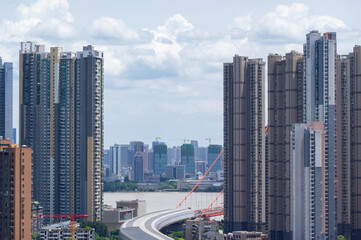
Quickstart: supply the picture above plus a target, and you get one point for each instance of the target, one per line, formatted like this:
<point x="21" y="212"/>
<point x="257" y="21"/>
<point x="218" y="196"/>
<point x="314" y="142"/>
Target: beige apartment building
<point x="285" y="107"/>
<point x="355" y="62"/>
<point x="343" y="145"/>
<point x="244" y="144"/>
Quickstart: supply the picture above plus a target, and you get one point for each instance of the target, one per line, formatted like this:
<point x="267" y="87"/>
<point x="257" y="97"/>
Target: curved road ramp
<point x="148" y="226"/>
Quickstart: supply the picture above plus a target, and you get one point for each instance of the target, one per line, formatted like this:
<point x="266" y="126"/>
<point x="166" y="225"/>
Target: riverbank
<point x="133" y="186"/>
<point x="156" y="201"/>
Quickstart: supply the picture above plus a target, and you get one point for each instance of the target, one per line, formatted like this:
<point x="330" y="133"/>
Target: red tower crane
<point x="71" y="216"/>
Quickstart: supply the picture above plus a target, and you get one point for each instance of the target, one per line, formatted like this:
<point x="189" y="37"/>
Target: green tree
<point x="115" y="232"/>
<point x="97" y="237"/>
<point x="164" y="179"/>
<point x="118" y="186"/>
<point x="100" y="228"/>
<point x="340" y="237"/>
<point x="167" y="186"/>
<point x="186" y="189"/>
<point x="177" y="235"/>
<point x="35" y="236"/>
<point x="174" y="184"/>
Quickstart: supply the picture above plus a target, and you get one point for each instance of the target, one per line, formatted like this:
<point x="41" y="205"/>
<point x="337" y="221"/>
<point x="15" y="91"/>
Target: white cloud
<point x="164" y="49"/>
<point x="16" y="30"/>
<point x="294" y="21"/>
<point x="174" y="25"/>
<point x="47" y="9"/>
<point x="194" y="106"/>
<point x="197" y="35"/>
<point x="44" y="19"/>
<point x="112" y="28"/>
<point x="325" y="23"/>
<point x="244" y="22"/>
<point x="285" y="24"/>
<point x="294" y="11"/>
<point x="53" y="29"/>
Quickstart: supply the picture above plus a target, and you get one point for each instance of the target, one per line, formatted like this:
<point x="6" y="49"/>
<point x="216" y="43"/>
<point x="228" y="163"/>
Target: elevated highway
<point x="148" y="226"/>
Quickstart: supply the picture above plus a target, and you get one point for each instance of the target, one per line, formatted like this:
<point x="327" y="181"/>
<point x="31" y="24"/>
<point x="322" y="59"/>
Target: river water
<point x="156" y="201"/>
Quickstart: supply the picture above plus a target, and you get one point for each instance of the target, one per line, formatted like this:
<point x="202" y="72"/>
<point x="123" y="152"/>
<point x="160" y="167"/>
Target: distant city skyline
<point x="163" y="70"/>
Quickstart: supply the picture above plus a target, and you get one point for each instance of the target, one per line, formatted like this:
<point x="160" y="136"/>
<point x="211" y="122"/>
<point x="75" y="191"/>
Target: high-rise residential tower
<point x="343" y="145"/>
<point x="195" y="145"/>
<point x="188" y="159"/>
<point x="135" y="146"/>
<point x="213" y="152"/>
<point x="33" y="107"/>
<point x="319" y="105"/>
<point x="124" y="151"/>
<point x="15" y="191"/>
<point x="355" y="73"/>
<point x="138" y="167"/>
<point x="106" y="161"/>
<point x="203" y="153"/>
<point x="285" y="107"/>
<point x="61" y="118"/>
<point x="348" y="143"/>
<point x="6" y="99"/>
<point x="115" y="159"/>
<point x="244" y="144"/>
<point x="160" y="158"/>
<point x="89" y="108"/>
<point x="307" y="174"/>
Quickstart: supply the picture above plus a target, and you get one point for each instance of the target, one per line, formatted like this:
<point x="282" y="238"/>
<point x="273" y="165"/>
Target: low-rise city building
<point x="115" y="217"/>
<point x="175" y="171"/>
<point x="60" y="231"/>
<point x="139" y="206"/>
<point x="196" y="228"/>
<point x="244" y="235"/>
<point x="36" y="222"/>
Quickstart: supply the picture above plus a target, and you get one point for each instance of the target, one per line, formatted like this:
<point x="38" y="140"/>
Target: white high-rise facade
<point x="307" y="195"/>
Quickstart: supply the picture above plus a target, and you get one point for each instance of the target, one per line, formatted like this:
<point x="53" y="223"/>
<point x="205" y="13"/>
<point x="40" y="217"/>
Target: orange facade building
<point x="15" y="191"/>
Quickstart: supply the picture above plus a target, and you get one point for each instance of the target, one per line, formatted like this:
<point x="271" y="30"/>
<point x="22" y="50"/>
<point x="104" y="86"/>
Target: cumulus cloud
<point x="286" y="23"/>
<point x="161" y="55"/>
<point x="16" y="30"/>
<point x="174" y="25"/>
<point x="194" y="106"/>
<point x="109" y="28"/>
<point x="197" y="35"/>
<point x="52" y="29"/>
<point x="42" y="19"/>
<point x="46" y="9"/>
<point x="243" y="22"/>
<point x="294" y="11"/>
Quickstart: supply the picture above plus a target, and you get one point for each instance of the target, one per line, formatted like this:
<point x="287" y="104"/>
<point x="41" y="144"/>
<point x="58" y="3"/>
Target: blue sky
<point x="163" y="59"/>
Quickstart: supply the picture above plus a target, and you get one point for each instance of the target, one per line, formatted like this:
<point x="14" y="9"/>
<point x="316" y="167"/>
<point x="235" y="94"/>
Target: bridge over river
<point x="148" y="226"/>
